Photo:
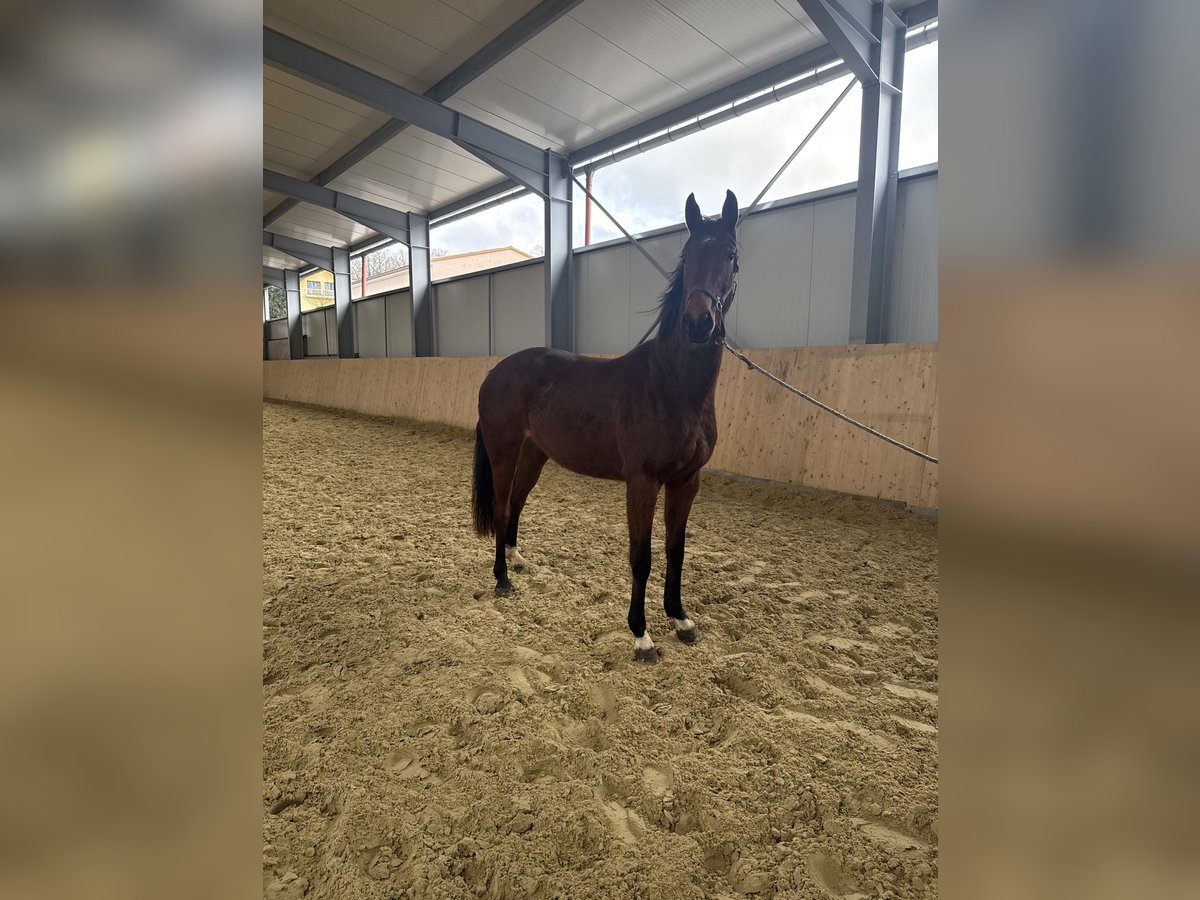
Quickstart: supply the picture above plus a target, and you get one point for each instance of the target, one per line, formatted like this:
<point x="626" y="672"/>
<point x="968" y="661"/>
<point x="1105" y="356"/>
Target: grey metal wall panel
<point x="602" y="305"/>
<point x="518" y="310"/>
<point x="331" y="331"/>
<point x="461" y="312"/>
<point x="277" y="329"/>
<point x="315" y="333"/>
<point x="774" y="286"/>
<point x="399" y="324"/>
<point x="370" y="334"/>
<point x="832" y="265"/>
<point x="278" y="349"/>
<point x="911" y="313"/>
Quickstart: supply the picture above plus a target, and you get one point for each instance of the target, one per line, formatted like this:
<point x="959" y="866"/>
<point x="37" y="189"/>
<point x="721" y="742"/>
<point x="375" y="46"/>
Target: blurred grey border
<point x="130" y="383"/>
<point x="1070" y="231"/>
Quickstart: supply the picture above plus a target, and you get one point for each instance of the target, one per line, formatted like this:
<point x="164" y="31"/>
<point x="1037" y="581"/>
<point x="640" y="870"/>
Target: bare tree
<point x="276" y="302"/>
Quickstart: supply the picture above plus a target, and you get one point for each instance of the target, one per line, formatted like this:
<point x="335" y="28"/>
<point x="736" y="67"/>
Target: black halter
<point x="719" y="303"/>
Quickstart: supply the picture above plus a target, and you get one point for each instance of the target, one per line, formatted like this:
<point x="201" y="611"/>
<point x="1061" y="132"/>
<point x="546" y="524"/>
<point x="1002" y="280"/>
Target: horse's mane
<point x="668" y="304"/>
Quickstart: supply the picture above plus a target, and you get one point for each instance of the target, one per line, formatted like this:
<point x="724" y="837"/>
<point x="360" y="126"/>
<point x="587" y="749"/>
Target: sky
<point x="648" y="191"/>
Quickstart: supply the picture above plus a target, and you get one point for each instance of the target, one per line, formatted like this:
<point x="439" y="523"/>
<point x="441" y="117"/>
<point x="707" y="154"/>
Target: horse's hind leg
<point x="676" y="507"/>
<point x="529" y="468"/>
<point x="641" y="496"/>
<point x="504" y="465"/>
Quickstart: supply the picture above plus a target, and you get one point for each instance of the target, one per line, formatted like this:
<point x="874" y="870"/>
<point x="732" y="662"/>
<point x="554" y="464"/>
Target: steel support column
<point x="870" y="38"/>
<point x="341" y="304"/>
<point x="419" y="284"/>
<point x="878" y="158"/>
<point x="291" y="280"/>
<point x="559" y="330"/>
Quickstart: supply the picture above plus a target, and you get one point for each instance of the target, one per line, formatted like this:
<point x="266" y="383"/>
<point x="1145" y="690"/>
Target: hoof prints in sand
<point x="424" y="739"/>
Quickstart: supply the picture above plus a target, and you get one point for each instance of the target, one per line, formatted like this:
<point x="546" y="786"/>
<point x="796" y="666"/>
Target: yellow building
<point x="316" y="290"/>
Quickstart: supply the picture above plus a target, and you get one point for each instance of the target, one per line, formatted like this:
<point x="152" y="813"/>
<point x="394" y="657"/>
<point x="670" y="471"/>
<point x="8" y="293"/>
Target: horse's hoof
<point x="504" y="590"/>
<point x="688" y="635"/>
<point x="648" y="656"/>
<point x="515" y="560"/>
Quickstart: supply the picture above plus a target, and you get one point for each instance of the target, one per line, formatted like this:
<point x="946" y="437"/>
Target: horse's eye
<point x="731" y="257"/>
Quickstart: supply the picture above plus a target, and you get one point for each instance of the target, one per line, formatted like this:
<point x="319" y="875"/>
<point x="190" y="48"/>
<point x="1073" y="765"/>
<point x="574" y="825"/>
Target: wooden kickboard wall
<point x="765" y="432"/>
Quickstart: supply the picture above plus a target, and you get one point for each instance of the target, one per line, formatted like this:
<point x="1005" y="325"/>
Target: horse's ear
<point x="691" y="213"/>
<point x="729" y="213"/>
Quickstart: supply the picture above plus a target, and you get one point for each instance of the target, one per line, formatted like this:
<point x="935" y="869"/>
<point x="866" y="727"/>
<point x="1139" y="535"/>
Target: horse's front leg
<point x="641" y="496"/>
<point x="677" y="506"/>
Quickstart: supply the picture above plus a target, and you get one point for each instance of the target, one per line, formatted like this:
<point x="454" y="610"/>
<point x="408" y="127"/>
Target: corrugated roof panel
<point x="794" y="10"/>
<point x="661" y="40"/>
<point x="327" y="229"/>
<point x="299" y="146"/>
<point x="276" y="260"/>
<point x="574" y="47"/>
<point x="502" y="105"/>
<point x="271" y="199"/>
<point x="377" y="166"/>
<point x="750" y="30"/>
<point x="495" y="14"/>
<point x="439" y="25"/>
<point x="428" y="156"/>
<point x="407" y="198"/>
<point x="305" y="127"/>
<point x="564" y="92"/>
<point x="287" y="91"/>
<point x="365" y="47"/>
<point x="468" y="101"/>
<point x="314" y="130"/>
<point x="294" y="164"/>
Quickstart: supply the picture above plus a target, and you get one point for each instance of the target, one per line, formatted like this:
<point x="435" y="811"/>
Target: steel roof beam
<point x="383" y="219"/>
<point x="512" y="38"/>
<point x="313" y="254"/>
<point x="514" y="157"/>
<point x="273" y="276"/>
<point x="844" y="29"/>
<point x="922" y="14"/>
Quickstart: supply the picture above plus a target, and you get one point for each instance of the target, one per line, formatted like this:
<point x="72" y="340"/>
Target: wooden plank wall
<point x="765" y="432"/>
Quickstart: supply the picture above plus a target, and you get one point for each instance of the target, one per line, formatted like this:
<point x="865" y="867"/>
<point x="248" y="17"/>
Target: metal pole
<point x="587" y="216"/>
<point x="343" y="311"/>
<point x="808" y="137"/>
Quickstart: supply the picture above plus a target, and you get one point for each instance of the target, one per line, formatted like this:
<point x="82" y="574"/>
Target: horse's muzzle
<point x="699" y="331"/>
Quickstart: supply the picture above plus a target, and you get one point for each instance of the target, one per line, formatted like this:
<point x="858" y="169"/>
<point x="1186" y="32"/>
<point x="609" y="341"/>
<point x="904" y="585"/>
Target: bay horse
<point x="646" y="418"/>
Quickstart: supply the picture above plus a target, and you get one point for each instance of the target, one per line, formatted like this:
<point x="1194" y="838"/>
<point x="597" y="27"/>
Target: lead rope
<point x="750" y="364"/>
<point x="753" y="366"/>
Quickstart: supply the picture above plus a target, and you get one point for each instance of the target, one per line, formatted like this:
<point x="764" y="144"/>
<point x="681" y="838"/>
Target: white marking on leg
<point x="683" y="624"/>
<point x="514" y="558"/>
<point x="643" y="643"/>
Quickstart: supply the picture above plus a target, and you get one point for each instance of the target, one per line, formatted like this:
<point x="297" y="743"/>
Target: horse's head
<point x="710" y="265"/>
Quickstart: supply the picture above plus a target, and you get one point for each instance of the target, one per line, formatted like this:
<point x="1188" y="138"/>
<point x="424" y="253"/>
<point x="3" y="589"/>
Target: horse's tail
<point x="483" y="493"/>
